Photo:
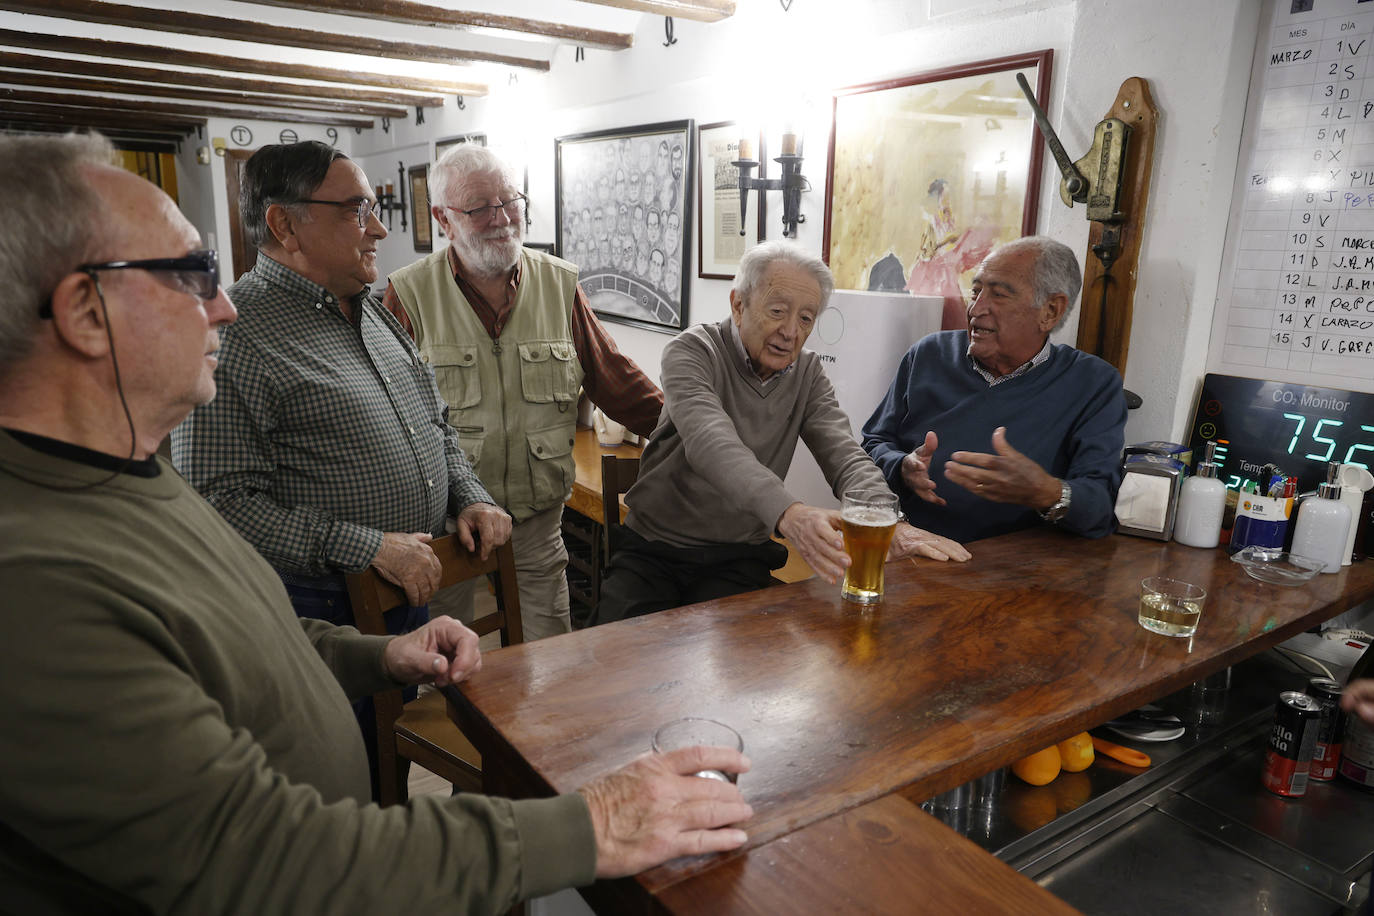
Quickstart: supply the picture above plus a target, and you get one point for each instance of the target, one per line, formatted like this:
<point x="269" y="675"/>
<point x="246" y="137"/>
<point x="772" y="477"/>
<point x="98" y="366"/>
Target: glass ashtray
<point x="1277" y="567"/>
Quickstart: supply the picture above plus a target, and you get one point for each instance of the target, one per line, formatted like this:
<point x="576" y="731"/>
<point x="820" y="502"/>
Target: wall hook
<point x="386" y="125"/>
<point x="668" y="31"/>
<point x="580" y="54"/>
<point x="461" y="103"/>
<point x="419" y="116"/>
<point x="786" y="5"/>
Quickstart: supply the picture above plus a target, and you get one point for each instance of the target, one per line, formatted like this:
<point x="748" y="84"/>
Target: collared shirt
<point x="611" y="379"/>
<point x="325" y="432"/>
<point x="1020" y="370"/>
<point x="744" y="355"/>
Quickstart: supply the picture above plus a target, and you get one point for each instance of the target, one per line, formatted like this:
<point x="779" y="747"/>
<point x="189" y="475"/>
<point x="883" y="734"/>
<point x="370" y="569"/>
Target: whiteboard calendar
<point x="1297" y="282"/>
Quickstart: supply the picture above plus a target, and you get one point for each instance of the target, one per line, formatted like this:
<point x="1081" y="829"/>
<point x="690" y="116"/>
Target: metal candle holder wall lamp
<point x="791" y="184"/>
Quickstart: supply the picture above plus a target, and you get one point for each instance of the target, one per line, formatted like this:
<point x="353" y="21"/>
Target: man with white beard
<point x="510" y="337"/>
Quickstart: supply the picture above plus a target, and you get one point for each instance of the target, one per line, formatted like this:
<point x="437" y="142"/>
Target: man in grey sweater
<point x="738" y="395"/>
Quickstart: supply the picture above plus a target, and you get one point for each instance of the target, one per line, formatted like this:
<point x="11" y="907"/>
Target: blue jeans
<point x="326" y="598"/>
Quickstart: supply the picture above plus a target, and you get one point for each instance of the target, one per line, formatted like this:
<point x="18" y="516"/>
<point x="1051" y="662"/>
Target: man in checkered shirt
<point x="327" y="447"/>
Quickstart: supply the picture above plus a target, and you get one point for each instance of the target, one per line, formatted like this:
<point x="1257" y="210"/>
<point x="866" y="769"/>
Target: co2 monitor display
<point x="1297" y="427"/>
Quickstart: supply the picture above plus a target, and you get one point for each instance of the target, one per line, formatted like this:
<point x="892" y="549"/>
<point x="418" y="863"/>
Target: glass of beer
<point x="867" y="519"/>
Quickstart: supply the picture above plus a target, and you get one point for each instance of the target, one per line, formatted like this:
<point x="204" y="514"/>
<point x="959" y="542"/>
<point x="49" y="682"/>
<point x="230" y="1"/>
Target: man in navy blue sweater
<point x="995" y="429"/>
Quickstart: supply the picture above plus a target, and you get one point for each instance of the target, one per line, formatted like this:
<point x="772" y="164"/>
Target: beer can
<point x="1292" y="740"/>
<point x="1327" y="757"/>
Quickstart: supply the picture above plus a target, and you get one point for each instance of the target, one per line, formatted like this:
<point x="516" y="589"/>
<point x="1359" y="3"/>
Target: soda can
<point x="1327" y="756"/>
<point x="1292" y="741"/>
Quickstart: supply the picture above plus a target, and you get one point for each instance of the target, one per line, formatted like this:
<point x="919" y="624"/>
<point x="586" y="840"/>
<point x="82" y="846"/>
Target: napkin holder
<point x="1147" y="503"/>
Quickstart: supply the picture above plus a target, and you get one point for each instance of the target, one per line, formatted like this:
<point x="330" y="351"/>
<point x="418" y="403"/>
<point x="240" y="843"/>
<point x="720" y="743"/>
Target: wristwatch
<point x="1060" y="509"/>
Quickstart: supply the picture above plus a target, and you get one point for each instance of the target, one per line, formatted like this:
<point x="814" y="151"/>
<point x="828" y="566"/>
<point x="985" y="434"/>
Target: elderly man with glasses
<point x="176" y="739"/>
<point x="327" y="448"/>
<point x="510" y="336"/>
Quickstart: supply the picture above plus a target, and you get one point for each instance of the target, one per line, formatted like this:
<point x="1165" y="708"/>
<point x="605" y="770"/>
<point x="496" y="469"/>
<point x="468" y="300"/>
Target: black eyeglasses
<point x="195" y="273"/>
<point x="512" y="208"/>
<point x="362" y="207"/>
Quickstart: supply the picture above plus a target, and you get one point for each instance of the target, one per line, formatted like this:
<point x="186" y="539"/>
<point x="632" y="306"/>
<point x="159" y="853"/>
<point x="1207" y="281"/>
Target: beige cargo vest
<point x="513" y="401"/>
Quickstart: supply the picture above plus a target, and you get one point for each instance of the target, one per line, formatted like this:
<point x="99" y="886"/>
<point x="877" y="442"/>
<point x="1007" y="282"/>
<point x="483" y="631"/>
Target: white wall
<point x="765" y="62"/>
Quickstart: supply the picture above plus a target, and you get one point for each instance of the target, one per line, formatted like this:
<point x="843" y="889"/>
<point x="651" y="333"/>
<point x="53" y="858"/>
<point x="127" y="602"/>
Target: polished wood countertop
<point x="851" y="717"/>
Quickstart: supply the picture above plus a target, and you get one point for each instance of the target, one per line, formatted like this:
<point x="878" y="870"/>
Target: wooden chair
<point x="617" y="476"/>
<point x="420" y="730"/>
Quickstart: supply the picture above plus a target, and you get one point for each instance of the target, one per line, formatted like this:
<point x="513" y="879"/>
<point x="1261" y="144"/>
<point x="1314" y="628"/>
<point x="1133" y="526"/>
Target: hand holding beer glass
<point x="867" y="520"/>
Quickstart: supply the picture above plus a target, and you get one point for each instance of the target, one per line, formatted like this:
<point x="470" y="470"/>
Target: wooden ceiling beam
<point x="40" y="126"/>
<point x="85" y="84"/>
<point x="183" y="23"/>
<point x="82" y="116"/>
<point x="74" y="67"/>
<point x="158" y="54"/>
<point x="177" y="108"/>
<point x="408" y="13"/>
<point x="700" y="10"/>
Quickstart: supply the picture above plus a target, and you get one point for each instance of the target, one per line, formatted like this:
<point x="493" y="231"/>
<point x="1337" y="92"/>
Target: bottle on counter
<point x="1357" y="742"/>
<point x="1201" y="505"/>
<point x="1324" y="523"/>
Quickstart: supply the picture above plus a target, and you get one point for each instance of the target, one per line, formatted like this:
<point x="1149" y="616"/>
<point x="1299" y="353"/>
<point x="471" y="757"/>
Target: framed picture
<point x="623" y="214"/>
<point x="722" y="239"/>
<point x="423" y="235"/>
<point x="928" y="172"/>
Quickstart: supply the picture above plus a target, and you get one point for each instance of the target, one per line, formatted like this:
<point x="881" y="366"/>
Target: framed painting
<point x="928" y="172"/>
<point x="722" y="238"/>
<point x="623" y="215"/>
<point x="423" y="236"/>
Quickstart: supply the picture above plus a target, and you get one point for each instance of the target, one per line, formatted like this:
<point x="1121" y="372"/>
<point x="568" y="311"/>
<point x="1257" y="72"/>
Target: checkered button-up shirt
<point x="324" y="433"/>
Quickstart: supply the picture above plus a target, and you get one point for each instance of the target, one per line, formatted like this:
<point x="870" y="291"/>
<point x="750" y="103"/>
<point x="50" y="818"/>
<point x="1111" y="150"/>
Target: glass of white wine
<point x="1170" y="606"/>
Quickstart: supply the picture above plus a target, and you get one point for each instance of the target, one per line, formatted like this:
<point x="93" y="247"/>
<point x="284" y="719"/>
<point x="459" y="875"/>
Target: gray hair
<point x="285" y="174"/>
<point x="1054" y="271"/>
<point x="54" y="221"/>
<point x="459" y="162"/>
<point x="756" y="261"/>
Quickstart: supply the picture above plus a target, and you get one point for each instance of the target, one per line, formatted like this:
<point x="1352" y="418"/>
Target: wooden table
<point x="586" y="494"/>
<point x="853" y="717"/>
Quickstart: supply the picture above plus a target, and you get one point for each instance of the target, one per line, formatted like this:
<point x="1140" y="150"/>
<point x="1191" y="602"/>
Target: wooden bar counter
<point x="852" y="717"/>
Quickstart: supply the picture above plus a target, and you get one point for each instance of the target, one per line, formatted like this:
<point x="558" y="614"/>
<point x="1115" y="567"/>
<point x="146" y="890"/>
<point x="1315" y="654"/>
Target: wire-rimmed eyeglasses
<point x="487" y="214"/>
<point x="195" y="273"/>
<point x="362" y="206"/>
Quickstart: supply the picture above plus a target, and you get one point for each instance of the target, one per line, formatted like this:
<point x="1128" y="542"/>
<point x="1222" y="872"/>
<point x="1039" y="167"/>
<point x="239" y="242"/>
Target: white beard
<point x="488" y="257"/>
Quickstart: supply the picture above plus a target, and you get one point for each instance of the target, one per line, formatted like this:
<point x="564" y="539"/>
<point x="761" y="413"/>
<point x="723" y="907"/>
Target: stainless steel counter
<point x="1194" y="833"/>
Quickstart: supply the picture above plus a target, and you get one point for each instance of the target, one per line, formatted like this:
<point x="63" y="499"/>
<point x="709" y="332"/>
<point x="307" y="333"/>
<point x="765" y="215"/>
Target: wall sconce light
<point x="390" y="201"/>
<point x="791" y="184"/>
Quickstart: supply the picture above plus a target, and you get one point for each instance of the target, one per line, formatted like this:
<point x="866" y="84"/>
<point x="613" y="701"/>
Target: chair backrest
<point x="617" y="476"/>
<point x="372" y="596"/>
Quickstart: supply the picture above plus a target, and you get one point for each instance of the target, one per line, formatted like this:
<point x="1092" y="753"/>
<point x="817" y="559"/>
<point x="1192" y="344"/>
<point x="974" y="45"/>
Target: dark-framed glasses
<point x="513" y="207"/>
<point x="195" y="273"/>
<point x="362" y="207"/>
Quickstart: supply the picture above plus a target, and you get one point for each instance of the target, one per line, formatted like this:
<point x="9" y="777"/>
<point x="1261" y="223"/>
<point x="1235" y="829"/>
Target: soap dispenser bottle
<point x="1323" y="523"/>
<point x="1201" y="505"/>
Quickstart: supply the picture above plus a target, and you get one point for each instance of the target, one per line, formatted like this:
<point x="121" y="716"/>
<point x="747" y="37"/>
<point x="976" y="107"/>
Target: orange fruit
<point x="1076" y="753"/>
<point x="1040" y="768"/>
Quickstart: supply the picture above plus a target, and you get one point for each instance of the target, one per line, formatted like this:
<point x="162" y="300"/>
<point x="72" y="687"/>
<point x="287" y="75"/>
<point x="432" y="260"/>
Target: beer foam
<point x="868" y="516"/>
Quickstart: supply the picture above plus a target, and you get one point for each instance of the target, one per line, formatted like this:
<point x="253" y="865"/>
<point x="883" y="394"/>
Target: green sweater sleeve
<point x="122" y="768"/>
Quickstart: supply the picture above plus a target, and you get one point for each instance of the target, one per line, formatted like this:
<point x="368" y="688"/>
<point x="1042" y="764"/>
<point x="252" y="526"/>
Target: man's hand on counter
<point x="1358" y="698"/>
<point x="909" y="541"/>
<point x="654" y="809"/>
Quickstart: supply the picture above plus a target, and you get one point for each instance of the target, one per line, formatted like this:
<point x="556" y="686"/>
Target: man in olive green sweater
<point x="176" y="739"/>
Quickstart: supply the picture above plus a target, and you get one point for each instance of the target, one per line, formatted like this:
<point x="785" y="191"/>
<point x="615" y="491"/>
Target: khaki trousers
<point x="541" y="561"/>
